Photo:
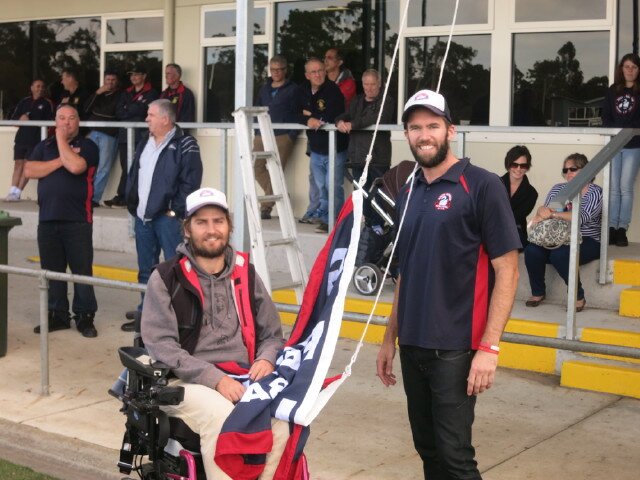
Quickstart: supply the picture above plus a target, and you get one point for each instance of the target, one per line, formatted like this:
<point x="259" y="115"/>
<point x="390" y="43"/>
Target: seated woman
<point x="537" y="257"/>
<point x="522" y="195"/>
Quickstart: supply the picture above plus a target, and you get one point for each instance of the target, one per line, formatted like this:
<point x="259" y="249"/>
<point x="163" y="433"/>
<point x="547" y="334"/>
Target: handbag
<point x="551" y="233"/>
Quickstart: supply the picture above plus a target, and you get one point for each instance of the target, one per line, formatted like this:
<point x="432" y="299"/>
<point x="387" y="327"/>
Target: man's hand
<point x="102" y="89"/>
<point x="260" y="368"/>
<point x="230" y="389"/>
<point x="314" y="123"/>
<point x="344" y="127"/>
<point x="384" y="363"/>
<point x="24" y="116"/>
<point x="482" y="372"/>
<point x="62" y="134"/>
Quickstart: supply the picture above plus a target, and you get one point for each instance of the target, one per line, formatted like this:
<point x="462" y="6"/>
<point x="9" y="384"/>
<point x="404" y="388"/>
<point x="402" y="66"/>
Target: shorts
<point x="21" y="151"/>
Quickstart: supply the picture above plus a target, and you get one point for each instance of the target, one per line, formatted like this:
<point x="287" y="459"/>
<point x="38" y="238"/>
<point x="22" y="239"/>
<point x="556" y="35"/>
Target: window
<point x="136" y="38"/>
<point x="440" y="12"/>
<point x="43" y="48"/>
<point x="625" y="28"/>
<point x="222" y="23"/>
<point x="466" y="78"/>
<point x="552" y="10"/>
<point x="557" y="75"/>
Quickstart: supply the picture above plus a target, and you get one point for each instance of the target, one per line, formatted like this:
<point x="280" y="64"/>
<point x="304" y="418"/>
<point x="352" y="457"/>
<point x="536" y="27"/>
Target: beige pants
<point x="285" y="146"/>
<point x="204" y="411"/>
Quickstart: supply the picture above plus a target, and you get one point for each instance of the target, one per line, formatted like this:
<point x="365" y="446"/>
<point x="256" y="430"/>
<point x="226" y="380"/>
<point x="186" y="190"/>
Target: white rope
<point x="354" y="357"/>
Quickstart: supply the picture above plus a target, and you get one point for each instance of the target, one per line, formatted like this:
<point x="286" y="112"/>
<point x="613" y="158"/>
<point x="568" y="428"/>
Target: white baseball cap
<point x="203" y="197"/>
<point x="430" y="100"/>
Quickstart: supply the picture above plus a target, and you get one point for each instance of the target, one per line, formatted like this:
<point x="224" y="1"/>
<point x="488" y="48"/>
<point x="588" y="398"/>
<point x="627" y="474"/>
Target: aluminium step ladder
<point x="288" y="238"/>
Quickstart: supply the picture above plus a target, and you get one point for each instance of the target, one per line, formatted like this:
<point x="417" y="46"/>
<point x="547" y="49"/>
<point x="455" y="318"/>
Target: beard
<point x="434" y="161"/>
<point x="200" y="250"/>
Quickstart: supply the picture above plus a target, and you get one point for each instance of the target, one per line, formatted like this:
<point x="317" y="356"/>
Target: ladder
<point x="288" y="238"/>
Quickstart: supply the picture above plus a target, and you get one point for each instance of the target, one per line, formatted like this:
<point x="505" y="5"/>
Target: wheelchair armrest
<point x="138" y="360"/>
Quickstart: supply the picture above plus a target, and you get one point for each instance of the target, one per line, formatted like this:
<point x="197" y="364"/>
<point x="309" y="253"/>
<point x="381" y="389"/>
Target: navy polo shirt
<point x="452" y="229"/>
<point x="63" y="196"/>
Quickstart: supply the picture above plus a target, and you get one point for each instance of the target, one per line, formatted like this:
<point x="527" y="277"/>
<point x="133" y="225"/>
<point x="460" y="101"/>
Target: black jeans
<point x="440" y="411"/>
<point x="63" y="244"/>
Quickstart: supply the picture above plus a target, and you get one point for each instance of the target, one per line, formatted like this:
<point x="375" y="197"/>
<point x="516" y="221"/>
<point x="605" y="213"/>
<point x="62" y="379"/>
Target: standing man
<point x="342" y="76"/>
<point x="132" y="107"/>
<point x="101" y="107"/>
<point x="284" y="99"/>
<point x="363" y="113"/>
<point x="324" y="102"/>
<point x="178" y="94"/>
<point x="73" y="94"/>
<point x="34" y="107"/>
<point x="224" y="334"/>
<point x="458" y="261"/>
<point x="65" y="165"/>
<point x="166" y="168"/>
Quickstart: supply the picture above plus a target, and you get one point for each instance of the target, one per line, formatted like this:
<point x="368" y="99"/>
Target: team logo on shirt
<point x="443" y="202"/>
<point x="321" y="104"/>
<point x="625" y="104"/>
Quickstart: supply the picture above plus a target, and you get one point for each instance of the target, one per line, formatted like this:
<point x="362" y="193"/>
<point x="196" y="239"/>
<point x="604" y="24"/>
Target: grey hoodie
<point x="220" y="335"/>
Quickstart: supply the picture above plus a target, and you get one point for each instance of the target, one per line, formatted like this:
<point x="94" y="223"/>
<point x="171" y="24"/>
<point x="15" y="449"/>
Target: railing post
<point x="43" y="133"/>
<point x="130" y="148"/>
<point x="461" y="144"/>
<point x="44" y="334"/>
<point x="604" y="228"/>
<point x="332" y="183"/>
<point x="574" y="265"/>
<point x="224" y="139"/>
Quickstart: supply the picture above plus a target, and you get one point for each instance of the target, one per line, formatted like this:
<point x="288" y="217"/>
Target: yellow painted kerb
<point x="601" y="378"/>
<point x="626" y="272"/>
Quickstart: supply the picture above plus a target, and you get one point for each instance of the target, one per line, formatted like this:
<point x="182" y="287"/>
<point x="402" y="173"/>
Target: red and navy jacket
<point x="133" y="107"/>
<point x="183" y="99"/>
<point x="62" y="195"/>
<point x="453" y="228"/>
<point x="187" y="300"/>
<point x="35" y="109"/>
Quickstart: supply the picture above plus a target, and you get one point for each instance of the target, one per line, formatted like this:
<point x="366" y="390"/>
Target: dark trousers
<point x="441" y="413"/>
<point x="63" y="244"/>
<point x="537" y="257"/>
<point x="122" y="184"/>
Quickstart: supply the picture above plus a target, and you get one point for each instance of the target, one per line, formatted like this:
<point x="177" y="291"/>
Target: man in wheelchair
<point x="209" y="320"/>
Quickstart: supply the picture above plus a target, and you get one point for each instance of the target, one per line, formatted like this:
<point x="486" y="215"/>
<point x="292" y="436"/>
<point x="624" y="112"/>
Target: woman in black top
<point x="622" y="109"/>
<point x="522" y="195"/>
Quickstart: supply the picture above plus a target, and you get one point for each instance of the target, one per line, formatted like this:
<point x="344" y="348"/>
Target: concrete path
<point x="526" y="426"/>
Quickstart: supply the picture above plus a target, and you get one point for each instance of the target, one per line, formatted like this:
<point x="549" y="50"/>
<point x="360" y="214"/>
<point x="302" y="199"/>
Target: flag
<point x="299" y="388"/>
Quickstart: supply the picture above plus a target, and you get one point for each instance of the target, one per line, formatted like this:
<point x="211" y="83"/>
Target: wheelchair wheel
<point x="367" y="279"/>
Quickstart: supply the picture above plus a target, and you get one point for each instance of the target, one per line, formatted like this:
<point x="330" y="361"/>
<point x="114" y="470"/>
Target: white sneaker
<point x="12" y="197"/>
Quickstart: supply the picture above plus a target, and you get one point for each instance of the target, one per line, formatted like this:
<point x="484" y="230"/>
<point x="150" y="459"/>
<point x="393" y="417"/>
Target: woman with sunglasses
<point x="522" y="195"/>
<point x="622" y="109"/>
<point x="537" y="257"/>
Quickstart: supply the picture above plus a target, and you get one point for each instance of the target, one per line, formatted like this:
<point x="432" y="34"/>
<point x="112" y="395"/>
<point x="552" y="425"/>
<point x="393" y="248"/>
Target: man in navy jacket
<point x="166" y="168"/>
<point x="284" y="99"/>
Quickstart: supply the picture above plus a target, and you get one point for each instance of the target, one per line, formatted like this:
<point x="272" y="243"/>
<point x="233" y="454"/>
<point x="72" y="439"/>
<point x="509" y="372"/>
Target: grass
<point x="10" y="471"/>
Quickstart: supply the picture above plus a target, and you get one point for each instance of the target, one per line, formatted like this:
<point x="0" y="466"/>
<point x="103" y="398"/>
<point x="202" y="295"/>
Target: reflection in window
<point x="220" y="80"/>
<point x="554" y="11"/>
<point x="134" y="30"/>
<point x="556" y="74"/>
<point x="42" y="49"/>
<point x="466" y="78"/>
<point x="122" y="62"/>
<point x="429" y="13"/>
<point x="222" y="23"/>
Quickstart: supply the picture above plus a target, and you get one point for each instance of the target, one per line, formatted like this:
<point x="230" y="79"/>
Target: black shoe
<point x="115" y="202"/>
<point x="57" y="321"/>
<point x="621" y="238"/>
<point x="95" y="204"/>
<point x="265" y="214"/>
<point x="322" y="228"/>
<point x="131" y="314"/>
<point x="129" y="326"/>
<point x="84" y="324"/>
<point x="613" y="235"/>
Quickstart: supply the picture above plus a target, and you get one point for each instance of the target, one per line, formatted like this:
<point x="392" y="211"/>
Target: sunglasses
<point x="522" y="166"/>
<point x="569" y="169"/>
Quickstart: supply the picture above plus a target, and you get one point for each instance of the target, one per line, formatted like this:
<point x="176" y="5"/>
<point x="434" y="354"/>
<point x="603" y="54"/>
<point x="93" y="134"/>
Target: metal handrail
<point x="45" y="275"/>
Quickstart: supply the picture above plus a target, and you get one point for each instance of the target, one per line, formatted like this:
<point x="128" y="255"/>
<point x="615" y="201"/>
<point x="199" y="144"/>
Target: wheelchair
<point x="155" y="446"/>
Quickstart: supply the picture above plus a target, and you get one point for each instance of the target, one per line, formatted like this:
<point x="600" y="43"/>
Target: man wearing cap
<point x="458" y="261"/>
<point x="64" y="166"/>
<point x="166" y="168"/>
<point x="194" y="321"/>
<point x="132" y="107"/>
<point x="101" y="107"/>
<point x="178" y="94"/>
